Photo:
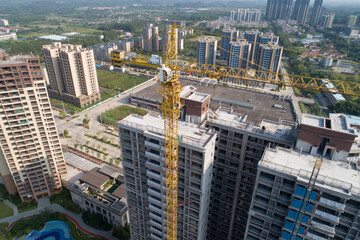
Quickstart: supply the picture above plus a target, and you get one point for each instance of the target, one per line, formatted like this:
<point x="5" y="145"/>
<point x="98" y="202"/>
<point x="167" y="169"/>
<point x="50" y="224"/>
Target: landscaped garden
<point x="113" y="115"/>
<point x="37" y="222"/>
<point x="64" y="199"/>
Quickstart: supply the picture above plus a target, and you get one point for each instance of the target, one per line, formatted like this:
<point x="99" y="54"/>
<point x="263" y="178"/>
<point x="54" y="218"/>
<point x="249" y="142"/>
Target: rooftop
<point x="284" y="130"/>
<point x="16" y="59"/>
<point x="198" y="97"/>
<point x="78" y="162"/>
<point x="120" y="191"/>
<point x="190" y="133"/>
<point x="338" y="176"/>
<point x="337" y="122"/>
<point x="95" y="178"/>
<point x="257" y="106"/>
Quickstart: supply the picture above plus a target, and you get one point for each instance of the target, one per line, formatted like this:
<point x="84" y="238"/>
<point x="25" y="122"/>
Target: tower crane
<point x="170" y="89"/>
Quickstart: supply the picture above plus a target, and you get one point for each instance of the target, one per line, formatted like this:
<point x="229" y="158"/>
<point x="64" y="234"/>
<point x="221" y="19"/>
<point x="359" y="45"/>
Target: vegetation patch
<point x="118" y="81"/>
<point x="103" y="139"/>
<point x="64" y="199"/>
<point x="6" y="211"/>
<point x="95" y="220"/>
<point x="113" y="115"/>
<point x="122" y="233"/>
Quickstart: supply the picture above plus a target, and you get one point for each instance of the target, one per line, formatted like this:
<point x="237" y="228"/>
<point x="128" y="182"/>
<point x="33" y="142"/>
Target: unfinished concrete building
<point x="333" y="211"/>
<point x="143" y="158"/>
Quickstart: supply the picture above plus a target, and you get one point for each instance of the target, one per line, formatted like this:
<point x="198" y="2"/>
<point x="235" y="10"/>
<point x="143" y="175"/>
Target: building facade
<point x="240" y="54"/>
<point x="239" y="147"/>
<point x="31" y="158"/>
<point x="316" y="12"/>
<point x="4" y="23"/>
<point x="327" y="20"/>
<point x="100" y="191"/>
<point x="72" y="73"/>
<point x="206" y="50"/>
<point x="268" y="58"/>
<point x="143" y="157"/>
<point x="278" y="9"/>
<point x="229" y="34"/>
<point x="245" y="15"/>
<point x="352" y="19"/>
<point x="282" y="178"/>
<point x="151" y="37"/>
<point x="301" y="11"/>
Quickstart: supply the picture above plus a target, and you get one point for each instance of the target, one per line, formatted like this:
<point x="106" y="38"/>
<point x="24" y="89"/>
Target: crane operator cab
<point x="165" y="74"/>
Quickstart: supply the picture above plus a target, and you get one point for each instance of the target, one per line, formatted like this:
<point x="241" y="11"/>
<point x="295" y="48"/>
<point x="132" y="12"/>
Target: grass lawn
<point x="64" y="200"/>
<point x="113" y="115"/>
<point x="303" y="108"/>
<point x="15" y="199"/>
<point x="6" y="211"/>
<point x="118" y="81"/>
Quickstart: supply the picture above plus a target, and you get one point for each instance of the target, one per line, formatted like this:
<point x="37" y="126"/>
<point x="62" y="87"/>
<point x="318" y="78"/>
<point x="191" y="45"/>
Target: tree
<point x="66" y="133"/>
<point x="111" y="161"/>
<point x="62" y="114"/>
<point x="104" y="149"/>
<point x="117" y="162"/>
<point x="76" y="145"/>
<point x="87" y="151"/>
<point x="122" y="233"/>
<point x="104" y="157"/>
<point x="81" y="147"/>
<point x="98" y="155"/>
<point x="87" y="142"/>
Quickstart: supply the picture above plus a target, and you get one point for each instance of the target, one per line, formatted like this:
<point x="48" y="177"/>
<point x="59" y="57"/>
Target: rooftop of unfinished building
<point x="336" y="122"/>
<point x="188" y="132"/>
<point x="282" y="129"/>
<point x="256" y="105"/>
<point x="336" y="175"/>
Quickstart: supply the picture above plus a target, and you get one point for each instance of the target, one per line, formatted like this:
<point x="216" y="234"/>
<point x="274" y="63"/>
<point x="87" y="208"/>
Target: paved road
<point x="58" y="208"/>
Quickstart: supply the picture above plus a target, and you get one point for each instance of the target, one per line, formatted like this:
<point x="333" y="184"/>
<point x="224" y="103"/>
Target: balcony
<point x="332" y="204"/>
<point x="315" y="237"/>
<point x="326" y="229"/>
<point x="327" y="216"/>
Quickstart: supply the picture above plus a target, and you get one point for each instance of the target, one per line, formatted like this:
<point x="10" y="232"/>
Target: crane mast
<point x="170" y="108"/>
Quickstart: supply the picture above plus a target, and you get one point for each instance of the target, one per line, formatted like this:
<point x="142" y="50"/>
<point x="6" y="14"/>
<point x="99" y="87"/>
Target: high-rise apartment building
<point x="252" y="37"/>
<point x="268" y="58"/>
<point x="143" y="158"/>
<point x="72" y="73"/>
<point x="240" y="54"/>
<point x="283" y="175"/>
<point x="327" y="20"/>
<point x="229" y="34"/>
<point x="352" y="19"/>
<point x="316" y="11"/>
<point x="165" y="39"/>
<point x="31" y="158"/>
<point x="151" y="37"/>
<point x="300" y="11"/>
<point x="206" y="50"/>
<point x="4" y="23"/>
<point x="278" y="9"/>
<point x="245" y="15"/>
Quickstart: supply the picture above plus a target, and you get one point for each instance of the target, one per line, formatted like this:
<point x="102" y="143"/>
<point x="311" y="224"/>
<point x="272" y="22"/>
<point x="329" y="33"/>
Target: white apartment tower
<point x="31" y="159"/>
<point x="143" y="158"/>
<point x="72" y="73"/>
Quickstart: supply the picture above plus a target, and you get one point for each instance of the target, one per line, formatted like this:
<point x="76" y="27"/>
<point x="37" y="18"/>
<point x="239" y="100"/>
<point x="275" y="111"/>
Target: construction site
<point x="216" y="159"/>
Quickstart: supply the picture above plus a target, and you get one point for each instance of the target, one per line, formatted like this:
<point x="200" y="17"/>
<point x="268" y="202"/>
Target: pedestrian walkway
<point x="43" y="202"/>
<point x="13" y="206"/>
<point x="57" y="208"/>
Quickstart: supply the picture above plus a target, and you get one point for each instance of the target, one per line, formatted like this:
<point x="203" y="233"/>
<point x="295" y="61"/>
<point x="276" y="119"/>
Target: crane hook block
<point x="165" y="74"/>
